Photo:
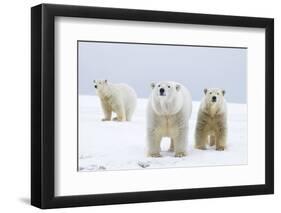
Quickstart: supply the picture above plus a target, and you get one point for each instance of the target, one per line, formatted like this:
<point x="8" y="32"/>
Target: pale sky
<point x="140" y="64"/>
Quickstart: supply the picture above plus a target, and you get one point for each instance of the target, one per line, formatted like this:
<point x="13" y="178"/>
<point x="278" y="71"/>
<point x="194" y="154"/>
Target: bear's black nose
<point x="162" y="91"/>
<point x="96" y="86"/>
<point x="214" y="98"/>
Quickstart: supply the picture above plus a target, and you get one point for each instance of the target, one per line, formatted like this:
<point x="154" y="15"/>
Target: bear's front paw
<point x="105" y="119"/>
<point x="180" y="154"/>
<point x="154" y="155"/>
<point x="118" y="119"/>
<point x="201" y="147"/>
<point x="220" y="148"/>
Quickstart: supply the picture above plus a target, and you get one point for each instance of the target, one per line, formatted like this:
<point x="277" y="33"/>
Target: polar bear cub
<point x="211" y="123"/>
<point x="168" y="111"/>
<point x="118" y="98"/>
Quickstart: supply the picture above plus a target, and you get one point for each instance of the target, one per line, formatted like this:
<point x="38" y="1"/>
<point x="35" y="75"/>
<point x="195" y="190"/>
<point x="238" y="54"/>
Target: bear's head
<point x="166" y="97"/>
<point x="165" y="90"/>
<point x="100" y="84"/>
<point x="214" y="98"/>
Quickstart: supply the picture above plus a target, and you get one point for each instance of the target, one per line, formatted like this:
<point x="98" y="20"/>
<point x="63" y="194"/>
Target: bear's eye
<point x="159" y="85"/>
<point x="169" y="86"/>
<point x="210" y="93"/>
<point x="217" y="93"/>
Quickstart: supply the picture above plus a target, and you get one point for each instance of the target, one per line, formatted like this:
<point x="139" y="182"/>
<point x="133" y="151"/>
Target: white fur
<point x="211" y="123"/>
<point x="167" y="116"/>
<point x="118" y="98"/>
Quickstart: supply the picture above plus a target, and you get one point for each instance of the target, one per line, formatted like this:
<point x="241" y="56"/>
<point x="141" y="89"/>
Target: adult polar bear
<point x="118" y="98"/>
<point x="169" y="109"/>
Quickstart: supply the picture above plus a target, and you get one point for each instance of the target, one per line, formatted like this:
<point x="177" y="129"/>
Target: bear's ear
<point x="105" y="81"/>
<point x="178" y="87"/>
<point x="94" y="81"/>
<point x="205" y="90"/>
<point x="223" y="92"/>
<point x="152" y="85"/>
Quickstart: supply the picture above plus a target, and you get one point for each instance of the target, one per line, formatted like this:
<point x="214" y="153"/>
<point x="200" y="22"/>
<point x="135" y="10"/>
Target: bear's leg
<point x="154" y="140"/>
<point x="212" y="140"/>
<point x="128" y="115"/>
<point x="221" y="141"/>
<point x="130" y="111"/>
<point x="120" y="113"/>
<point x="107" y="111"/>
<point x="201" y="139"/>
<point x="179" y="141"/>
<point x="171" y="149"/>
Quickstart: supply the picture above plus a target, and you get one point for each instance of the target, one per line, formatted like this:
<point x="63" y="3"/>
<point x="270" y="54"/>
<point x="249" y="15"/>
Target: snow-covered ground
<point x="121" y="145"/>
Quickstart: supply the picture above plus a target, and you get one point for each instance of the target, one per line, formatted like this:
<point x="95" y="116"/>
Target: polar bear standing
<point x="169" y="109"/>
<point x="212" y="120"/>
<point x="118" y="98"/>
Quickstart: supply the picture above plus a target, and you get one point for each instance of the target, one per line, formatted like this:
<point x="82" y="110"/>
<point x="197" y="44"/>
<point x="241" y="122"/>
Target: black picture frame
<point x="43" y="105"/>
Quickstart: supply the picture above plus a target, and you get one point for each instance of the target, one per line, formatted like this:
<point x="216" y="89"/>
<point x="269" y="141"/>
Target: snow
<point x="115" y="145"/>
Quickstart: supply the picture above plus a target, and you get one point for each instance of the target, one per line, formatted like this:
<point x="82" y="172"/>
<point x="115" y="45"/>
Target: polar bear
<point x="211" y="123"/>
<point x="168" y="111"/>
<point x="118" y="98"/>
